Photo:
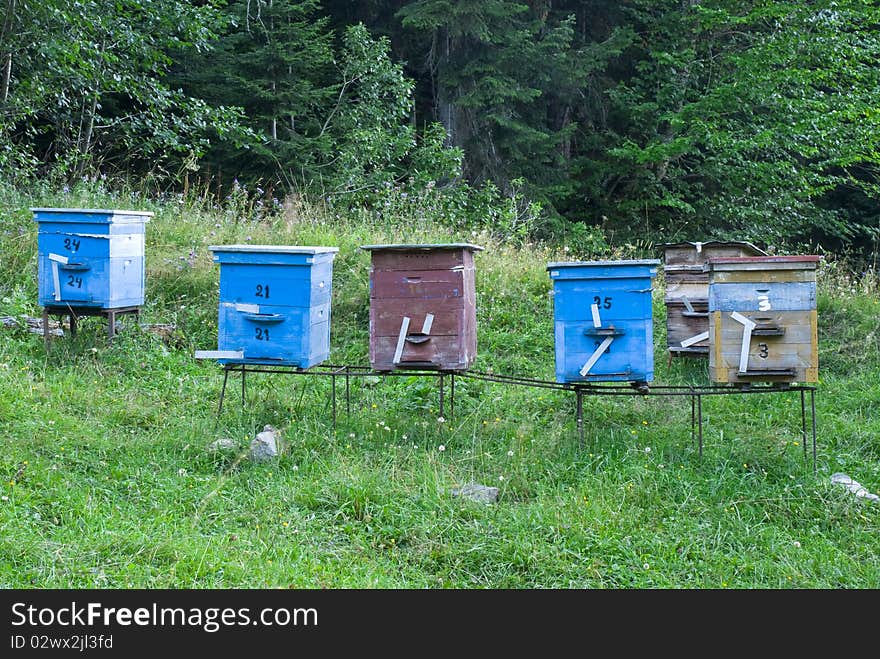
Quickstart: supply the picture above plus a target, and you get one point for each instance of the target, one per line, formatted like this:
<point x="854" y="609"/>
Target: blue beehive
<point x="603" y="320"/>
<point x="91" y="257"/>
<point x="275" y="302"/>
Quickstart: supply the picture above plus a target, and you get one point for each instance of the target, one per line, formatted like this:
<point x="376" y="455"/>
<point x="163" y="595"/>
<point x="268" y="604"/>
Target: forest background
<point x="591" y="122"/>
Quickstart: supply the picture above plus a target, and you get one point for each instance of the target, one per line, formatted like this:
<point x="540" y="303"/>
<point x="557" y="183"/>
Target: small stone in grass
<point x="222" y="444"/>
<point x="476" y="492"/>
<point x="264" y="446"/>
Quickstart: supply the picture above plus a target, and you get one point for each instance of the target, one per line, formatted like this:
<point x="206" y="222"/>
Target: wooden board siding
<point x="778" y="295"/>
<point x="91" y="258"/>
<point x="795" y="350"/>
<point x="686" y="274"/>
<point x="603" y="324"/>
<point x="414" y="287"/>
<point x="275" y="302"/>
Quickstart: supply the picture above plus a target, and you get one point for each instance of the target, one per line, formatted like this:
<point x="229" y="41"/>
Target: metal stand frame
<point x="580" y="389"/>
<point x="696" y="394"/>
<point x="333" y="372"/>
<point x="75" y="313"/>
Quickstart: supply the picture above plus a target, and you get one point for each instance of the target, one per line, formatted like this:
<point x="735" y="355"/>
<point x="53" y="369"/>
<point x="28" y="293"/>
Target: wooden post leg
<point x="111" y="324"/>
<point x="72" y="317"/>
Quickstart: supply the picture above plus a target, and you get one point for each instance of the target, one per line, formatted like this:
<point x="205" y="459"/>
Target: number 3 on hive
<point x="262" y="334"/>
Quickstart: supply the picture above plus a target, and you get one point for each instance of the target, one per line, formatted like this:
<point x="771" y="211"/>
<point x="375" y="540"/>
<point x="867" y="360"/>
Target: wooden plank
<point x="698" y="338"/>
<point x="717" y="372"/>
<point x="681" y="324"/>
<point x="693" y="291"/>
<point x="763" y="296"/>
<point x="438" y="352"/>
<point x="595" y="356"/>
<point x="800" y="354"/>
<point x="418" y="284"/>
<point x="219" y="354"/>
<point x="449" y="316"/>
<point x="762" y="276"/>
<point x="438" y="259"/>
<point x="401" y="339"/>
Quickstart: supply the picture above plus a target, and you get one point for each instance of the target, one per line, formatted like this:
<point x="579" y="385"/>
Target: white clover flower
<point x="510" y="454"/>
<point x="647" y="449"/>
<point x="441" y="448"/>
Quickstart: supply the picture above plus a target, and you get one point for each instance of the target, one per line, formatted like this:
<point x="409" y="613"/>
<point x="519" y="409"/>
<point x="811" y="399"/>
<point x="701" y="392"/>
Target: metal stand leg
<point x="452" y="396"/>
<point x="333" y="394"/>
<point x="580" y="416"/>
<point x="693" y="418"/>
<point x="111" y="324"/>
<point x="700" y="420"/>
<point x="813" y="408"/>
<point x="441" y="394"/>
<point x="347" y="393"/>
<point x="243" y="372"/>
<point x="804" y="423"/>
<point x="72" y="317"/>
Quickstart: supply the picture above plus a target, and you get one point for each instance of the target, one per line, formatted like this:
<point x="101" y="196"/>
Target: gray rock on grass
<point x="265" y="445"/>
<point x="477" y="492"/>
<point x="854" y="486"/>
<point x="223" y="444"/>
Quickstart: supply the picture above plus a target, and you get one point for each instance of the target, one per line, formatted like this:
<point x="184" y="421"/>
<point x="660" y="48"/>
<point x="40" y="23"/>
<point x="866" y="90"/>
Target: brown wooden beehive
<point x="686" y="274"/>
<point x="422" y="306"/>
<point x="763" y="321"/>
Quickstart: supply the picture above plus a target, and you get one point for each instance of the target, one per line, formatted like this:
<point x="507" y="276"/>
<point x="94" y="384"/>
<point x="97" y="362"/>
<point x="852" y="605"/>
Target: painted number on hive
<point x="602" y="303"/>
<point x="71" y="244"/>
<point x="262" y="290"/>
<point x="76" y="282"/>
<point x="763" y="351"/>
<point x="262" y="334"/>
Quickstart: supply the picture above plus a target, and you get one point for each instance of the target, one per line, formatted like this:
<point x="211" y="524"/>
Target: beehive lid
<point x="700" y="246"/>
<point x="273" y="249"/>
<point x="684" y="257"/>
<point x="90" y="215"/>
<point x="603" y="269"/>
<point x="576" y="264"/>
<point x="423" y="247"/>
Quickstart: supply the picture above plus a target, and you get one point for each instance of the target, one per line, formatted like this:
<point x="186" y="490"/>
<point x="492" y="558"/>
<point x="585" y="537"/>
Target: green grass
<point x="106" y="481"/>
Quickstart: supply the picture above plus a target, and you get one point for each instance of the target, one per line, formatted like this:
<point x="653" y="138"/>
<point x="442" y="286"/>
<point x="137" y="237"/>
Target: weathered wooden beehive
<point x="763" y="320"/>
<point x="274" y="303"/>
<point x="686" y="273"/>
<point x="603" y="320"/>
<point x="422" y="306"/>
<point x="90" y="258"/>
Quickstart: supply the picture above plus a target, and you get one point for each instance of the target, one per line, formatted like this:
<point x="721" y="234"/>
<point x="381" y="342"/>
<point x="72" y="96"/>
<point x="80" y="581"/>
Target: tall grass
<point x="106" y="480"/>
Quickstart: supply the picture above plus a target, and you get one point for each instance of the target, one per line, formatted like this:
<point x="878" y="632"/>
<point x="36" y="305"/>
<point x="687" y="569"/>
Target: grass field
<point x="106" y="480"/>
